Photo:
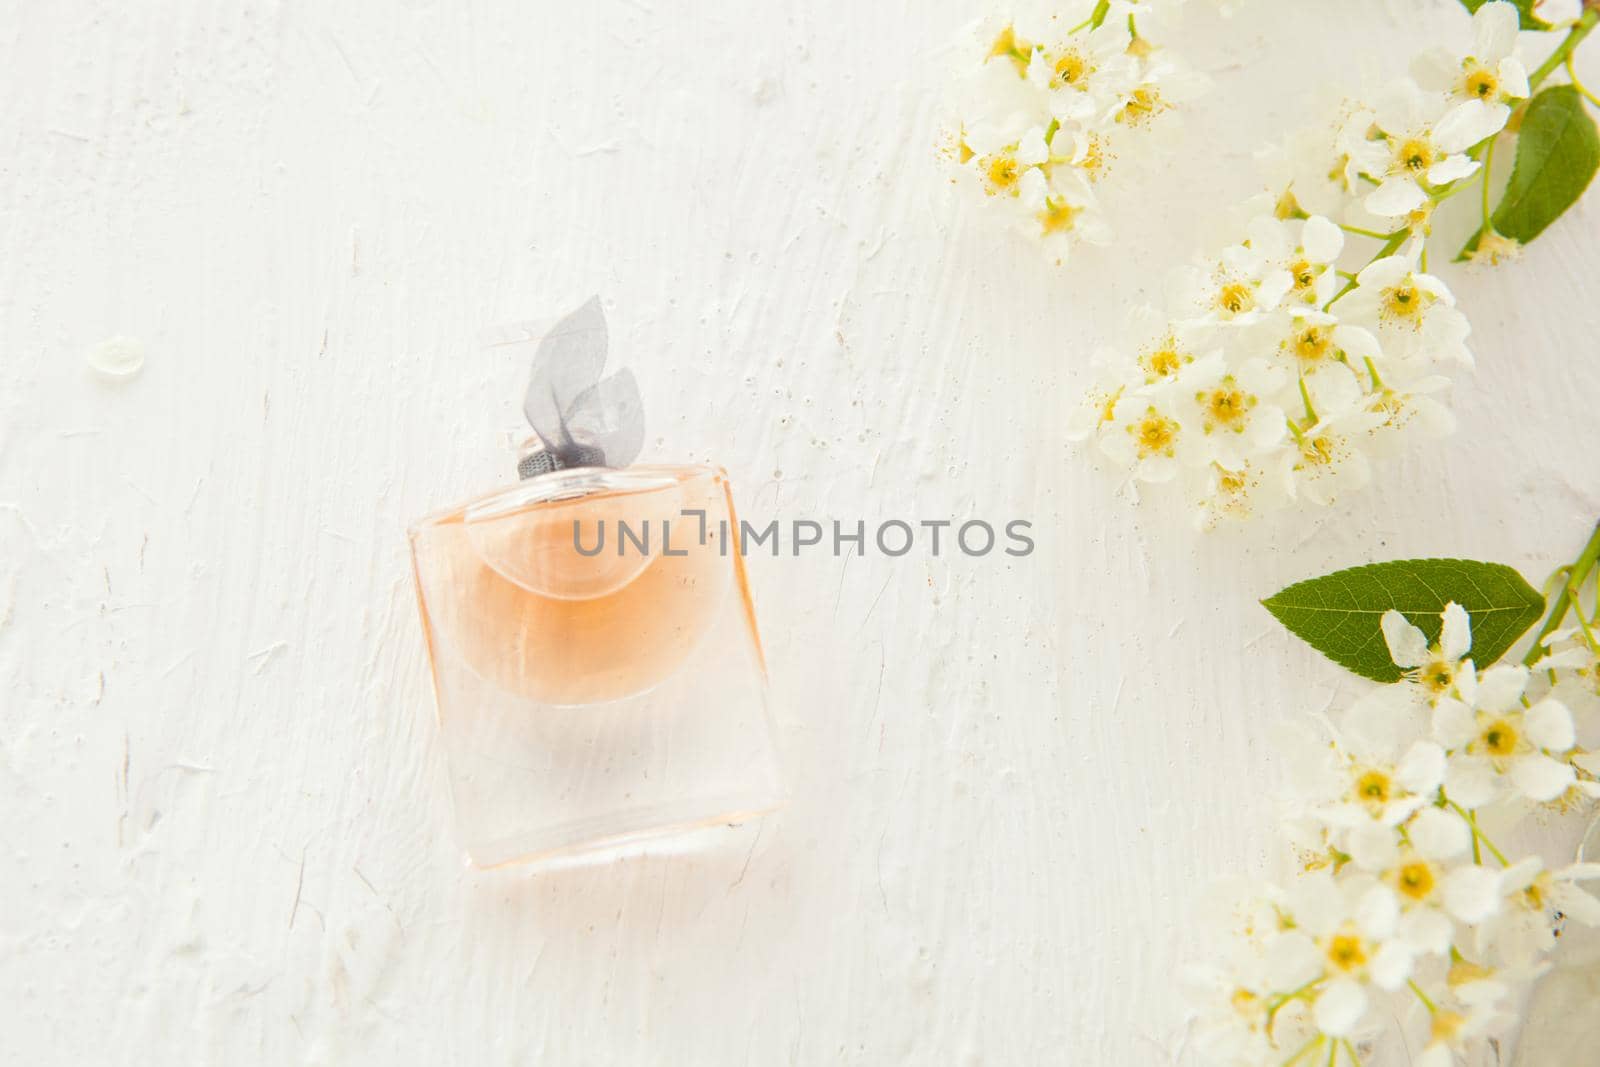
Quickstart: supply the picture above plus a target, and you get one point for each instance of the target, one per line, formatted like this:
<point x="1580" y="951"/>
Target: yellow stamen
<point x="1058" y="216"/>
<point x="1013" y="49"/>
<point x="1374" y="788"/>
<point x="1155" y="434"/>
<point x="1226" y="406"/>
<point x="1346" y="952"/>
<point x="1318" y="451"/>
<point x="1312" y="343"/>
<point x="1437" y="675"/>
<point x="1002" y="172"/>
<point x="1415" y="155"/>
<point x="1500" y="738"/>
<point x="1405" y="301"/>
<point x="1480" y="82"/>
<point x="1446" y="1025"/>
<point x="1235" y="298"/>
<point x="1144" y="103"/>
<point x="1164" y="360"/>
<point x="1073" y="69"/>
<point x="1415" y="880"/>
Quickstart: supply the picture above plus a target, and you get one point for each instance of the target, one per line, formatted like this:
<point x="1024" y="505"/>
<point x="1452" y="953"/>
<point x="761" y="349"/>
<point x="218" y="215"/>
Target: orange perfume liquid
<point x="596" y="661"/>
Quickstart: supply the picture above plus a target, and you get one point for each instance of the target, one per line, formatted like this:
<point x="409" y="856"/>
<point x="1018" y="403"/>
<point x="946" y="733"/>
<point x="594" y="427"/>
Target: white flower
<point x="1038" y="125"/>
<point x="1313" y="171"/>
<point x="1422" y="147"/>
<point x="1146" y="435"/>
<point x="1235" y="415"/>
<point x="1496" y="744"/>
<point x="1491" y="73"/>
<point x="1233" y="997"/>
<point x="1576" y="669"/>
<point x="1430" y="891"/>
<point x="1087" y="73"/>
<point x="1431" y="667"/>
<point x="1329" y="457"/>
<point x="1234" y="493"/>
<point x="1410" y="410"/>
<point x="1343" y="939"/>
<point x="1315" y="346"/>
<point x="1384" y="769"/>
<point x="1469" y="1006"/>
<point x="1164" y="83"/>
<point x="1006" y="159"/>
<point x="1229" y="289"/>
<point x="1306" y="261"/>
<point x="1537" y="902"/>
<point x="1412" y="313"/>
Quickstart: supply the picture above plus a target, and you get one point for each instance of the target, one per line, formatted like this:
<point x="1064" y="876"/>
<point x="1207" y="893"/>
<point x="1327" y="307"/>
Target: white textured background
<point x="225" y="836"/>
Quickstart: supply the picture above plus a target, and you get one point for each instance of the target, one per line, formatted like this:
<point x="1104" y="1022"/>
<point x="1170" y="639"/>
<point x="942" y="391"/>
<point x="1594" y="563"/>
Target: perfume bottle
<point x="594" y="648"/>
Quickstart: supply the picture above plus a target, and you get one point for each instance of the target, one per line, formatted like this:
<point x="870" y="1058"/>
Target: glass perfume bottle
<point x="594" y="649"/>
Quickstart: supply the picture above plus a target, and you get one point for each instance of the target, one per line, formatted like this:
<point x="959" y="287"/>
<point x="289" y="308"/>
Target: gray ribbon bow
<point x="581" y="419"/>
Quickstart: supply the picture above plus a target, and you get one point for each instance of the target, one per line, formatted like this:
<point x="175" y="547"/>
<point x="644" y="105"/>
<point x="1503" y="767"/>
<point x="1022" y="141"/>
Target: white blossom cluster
<point x="1409" y="917"/>
<point x="1048" y="108"/>
<point x="1284" y="362"/>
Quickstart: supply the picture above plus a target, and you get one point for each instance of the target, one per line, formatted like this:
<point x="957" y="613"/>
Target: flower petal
<point x="1377" y="913"/>
<point x="1470" y="781"/>
<point x="1500" y="687"/>
<point x="1396" y="196"/>
<point x="1357" y="342"/>
<point x="1549" y="725"/>
<point x="1452" y="169"/>
<point x="1373" y="846"/>
<point x="1455" y="635"/>
<point x="1438" y="834"/>
<point x="1468" y="123"/>
<point x="1291" y="961"/>
<point x="1494" y="31"/>
<point x="1427" y="930"/>
<point x="1454" y="725"/>
<point x="1321" y="239"/>
<point x="1421" y="769"/>
<point x="1340" y="1007"/>
<point x="1391" y="965"/>
<point x="1472" y="893"/>
<point x="1513" y="78"/>
<point x="1540" y="778"/>
<point x="1408" y="647"/>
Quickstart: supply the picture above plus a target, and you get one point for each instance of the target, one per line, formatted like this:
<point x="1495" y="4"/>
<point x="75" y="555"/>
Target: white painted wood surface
<point x="226" y="835"/>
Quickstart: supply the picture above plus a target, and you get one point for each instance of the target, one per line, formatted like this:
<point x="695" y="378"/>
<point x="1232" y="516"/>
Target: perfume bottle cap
<point x="540" y="460"/>
<point x="581" y="419"/>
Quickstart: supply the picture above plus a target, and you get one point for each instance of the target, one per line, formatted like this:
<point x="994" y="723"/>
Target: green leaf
<point x="1558" y="150"/>
<point x="1339" y="614"/>
<point x="1525" y="16"/>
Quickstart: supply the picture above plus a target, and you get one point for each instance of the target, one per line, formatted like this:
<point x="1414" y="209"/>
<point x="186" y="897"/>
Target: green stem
<point x="1426" y="1003"/>
<point x="1283" y="998"/>
<point x="1578" y="32"/>
<point x="1310" y="1046"/>
<point x="1357" y="230"/>
<point x="1488" y="164"/>
<point x="1389" y="248"/>
<point x="1372" y="372"/>
<point x="1096" y="17"/>
<point x="1575" y="575"/>
<point x="1305" y="397"/>
<point x="1471" y="819"/>
<point x="1583" y="624"/>
<point x="1577" y="83"/>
